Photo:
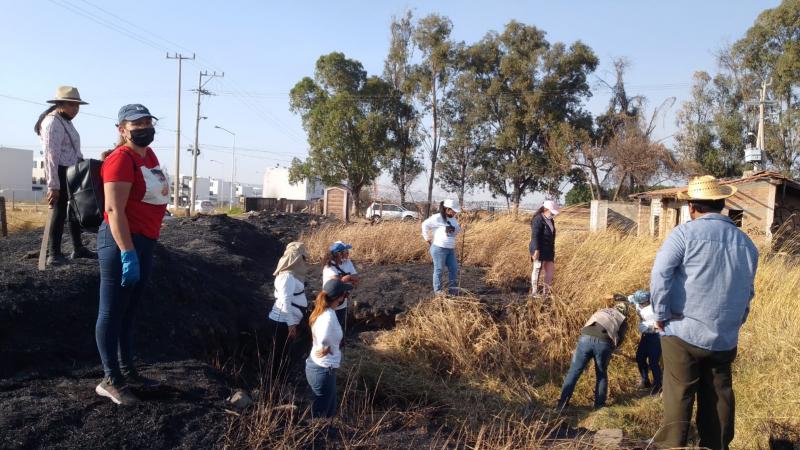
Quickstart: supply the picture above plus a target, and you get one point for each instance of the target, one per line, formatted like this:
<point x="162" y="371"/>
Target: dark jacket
<point x="543" y="238"/>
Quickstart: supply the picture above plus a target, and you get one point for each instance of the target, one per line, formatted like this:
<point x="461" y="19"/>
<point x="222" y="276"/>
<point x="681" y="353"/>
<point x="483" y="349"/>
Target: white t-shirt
<point x="330" y="273"/>
<point x="326" y="332"/>
<point x="289" y="291"/>
<point x="647" y="319"/>
<point x="436" y="225"/>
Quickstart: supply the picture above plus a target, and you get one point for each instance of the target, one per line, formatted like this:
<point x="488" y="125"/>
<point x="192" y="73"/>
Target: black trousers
<point x="62" y="213"/>
<point x="691" y="372"/>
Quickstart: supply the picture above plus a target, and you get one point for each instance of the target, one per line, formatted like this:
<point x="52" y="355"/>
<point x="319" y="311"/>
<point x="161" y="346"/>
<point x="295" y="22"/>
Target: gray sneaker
<point x="118" y="393"/>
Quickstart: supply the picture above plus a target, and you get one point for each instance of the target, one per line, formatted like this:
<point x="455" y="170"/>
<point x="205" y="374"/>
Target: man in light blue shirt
<point x="701" y="287"/>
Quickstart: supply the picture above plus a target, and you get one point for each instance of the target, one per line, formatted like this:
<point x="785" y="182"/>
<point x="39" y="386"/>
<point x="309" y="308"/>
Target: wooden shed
<point x="764" y="203"/>
<point x="338" y="202"/>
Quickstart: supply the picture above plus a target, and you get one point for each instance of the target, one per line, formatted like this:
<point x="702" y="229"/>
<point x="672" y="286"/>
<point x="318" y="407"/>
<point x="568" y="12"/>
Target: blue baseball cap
<point x="335" y="287"/>
<point x="339" y="246"/>
<point x="639" y="297"/>
<point x="133" y="112"/>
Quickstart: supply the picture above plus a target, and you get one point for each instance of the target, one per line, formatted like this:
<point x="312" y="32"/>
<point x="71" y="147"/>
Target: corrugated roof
<point x="758" y="176"/>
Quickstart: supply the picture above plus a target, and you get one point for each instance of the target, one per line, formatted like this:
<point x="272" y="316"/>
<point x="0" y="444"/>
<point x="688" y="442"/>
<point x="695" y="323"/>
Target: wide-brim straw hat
<point x="706" y="188"/>
<point x="67" y="94"/>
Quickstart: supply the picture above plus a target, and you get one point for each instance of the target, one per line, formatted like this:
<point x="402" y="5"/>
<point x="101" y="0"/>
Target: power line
<point x="83" y="113"/>
<point x="262" y="114"/>
<point x="102" y="22"/>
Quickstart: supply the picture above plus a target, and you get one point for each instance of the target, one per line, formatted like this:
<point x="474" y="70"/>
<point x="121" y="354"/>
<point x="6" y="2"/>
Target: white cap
<point x="449" y="203"/>
<point x="551" y="205"/>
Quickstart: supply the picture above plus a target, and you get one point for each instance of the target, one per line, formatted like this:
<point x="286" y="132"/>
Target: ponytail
<point x="120" y="142"/>
<point x="320" y="305"/>
<point x="443" y="211"/>
<point x="38" y="127"/>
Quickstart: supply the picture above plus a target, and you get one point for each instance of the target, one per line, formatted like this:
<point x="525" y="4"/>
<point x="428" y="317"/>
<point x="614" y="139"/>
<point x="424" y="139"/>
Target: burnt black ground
<point x="206" y="306"/>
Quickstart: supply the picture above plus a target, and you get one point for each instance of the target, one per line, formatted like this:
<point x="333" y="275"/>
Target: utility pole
<point x="196" y="151"/>
<point x="177" y="175"/>
<point x="756" y="155"/>
<point x="760" y="136"/>
<point x="233" y="169"/>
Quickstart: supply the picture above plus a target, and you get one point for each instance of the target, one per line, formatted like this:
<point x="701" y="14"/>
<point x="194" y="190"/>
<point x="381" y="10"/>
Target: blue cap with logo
<point x="133" y="112"/>
<point x="339" y="246"/>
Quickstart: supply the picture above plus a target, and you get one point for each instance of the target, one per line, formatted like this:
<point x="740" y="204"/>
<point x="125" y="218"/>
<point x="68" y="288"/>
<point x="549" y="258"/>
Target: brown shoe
<point x="118" y="393"/>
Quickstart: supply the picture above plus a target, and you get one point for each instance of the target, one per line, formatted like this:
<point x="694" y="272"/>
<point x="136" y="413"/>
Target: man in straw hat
<point x="61" y="145"/>
<point x="701" y="287"/>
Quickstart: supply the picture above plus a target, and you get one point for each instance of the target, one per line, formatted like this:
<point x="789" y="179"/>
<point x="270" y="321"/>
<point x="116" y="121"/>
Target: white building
<point x="39" y="176"/>
<point x="245" y="190"/>
<point x="221" y="191"/>
<point x="203" y="188"/>
<point x="16" y="167"/>
<point x="276" y="185"/>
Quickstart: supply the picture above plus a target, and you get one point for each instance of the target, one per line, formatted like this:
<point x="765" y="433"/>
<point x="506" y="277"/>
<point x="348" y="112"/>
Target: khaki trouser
<point x="691" y="371"/>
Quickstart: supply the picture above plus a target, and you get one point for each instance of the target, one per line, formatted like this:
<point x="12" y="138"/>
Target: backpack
<point x="85" y="189"/>
<point x="86" y="197"/>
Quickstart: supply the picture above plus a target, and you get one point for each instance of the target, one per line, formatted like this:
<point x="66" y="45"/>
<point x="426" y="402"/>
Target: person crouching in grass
<point x="602" y="334"/>
<point x="325" y="357"/>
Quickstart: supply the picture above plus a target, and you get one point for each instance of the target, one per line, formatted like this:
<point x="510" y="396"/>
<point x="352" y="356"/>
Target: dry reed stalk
<point x="488" y="362"/>
<point x="25" y="219"/>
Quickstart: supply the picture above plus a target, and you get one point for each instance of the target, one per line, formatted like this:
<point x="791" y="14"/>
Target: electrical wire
<point x="248" y="103"/>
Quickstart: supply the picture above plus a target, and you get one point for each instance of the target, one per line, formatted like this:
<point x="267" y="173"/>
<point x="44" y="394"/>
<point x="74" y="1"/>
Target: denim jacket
<point x="702" y="282"/>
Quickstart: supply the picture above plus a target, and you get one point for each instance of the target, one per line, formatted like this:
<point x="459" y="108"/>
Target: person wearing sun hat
<point x="701" y="286"/>
<point x="439" y="231"/>
<point x="61" y="145"/>
<point x="600" y="336"/>
<point x="543" y="248"/>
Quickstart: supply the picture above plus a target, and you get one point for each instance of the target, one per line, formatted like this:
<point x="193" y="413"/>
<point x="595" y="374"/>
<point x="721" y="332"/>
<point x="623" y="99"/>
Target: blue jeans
<point x="444" y="257"/>
<point x="114" y="328"/>
<point x="647" y="356"/>
<point x="323" y="384"/>
<point x="588" y="348"/>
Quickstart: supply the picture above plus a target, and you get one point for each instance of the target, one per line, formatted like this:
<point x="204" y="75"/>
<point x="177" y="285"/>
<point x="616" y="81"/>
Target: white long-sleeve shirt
<point x="438" y="227"/>
<point x="330" y="273"/>
<point x="289" y="295"/>
<point x="59" y="150"/>
<point x="647" y="319"/>
<point x="326" y="332"/>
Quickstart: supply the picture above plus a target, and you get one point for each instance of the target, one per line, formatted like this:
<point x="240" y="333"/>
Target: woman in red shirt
<point x="136" y="196"/>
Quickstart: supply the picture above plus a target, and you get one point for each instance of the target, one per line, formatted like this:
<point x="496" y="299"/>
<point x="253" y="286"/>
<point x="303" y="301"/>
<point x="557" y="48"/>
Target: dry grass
<point x="25" y="217"/>
<point x="477" y="363"/>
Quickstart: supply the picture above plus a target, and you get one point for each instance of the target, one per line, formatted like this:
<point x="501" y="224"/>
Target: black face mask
<point x="142" y="137"/>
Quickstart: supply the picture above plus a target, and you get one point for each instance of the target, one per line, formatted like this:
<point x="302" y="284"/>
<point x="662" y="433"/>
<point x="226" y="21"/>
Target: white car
<point x="204" y="207"/>
<point x="390" y="211"/>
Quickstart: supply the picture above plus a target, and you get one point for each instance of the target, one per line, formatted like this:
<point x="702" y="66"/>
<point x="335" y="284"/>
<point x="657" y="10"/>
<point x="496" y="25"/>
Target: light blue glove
<point x="130" y="268"/>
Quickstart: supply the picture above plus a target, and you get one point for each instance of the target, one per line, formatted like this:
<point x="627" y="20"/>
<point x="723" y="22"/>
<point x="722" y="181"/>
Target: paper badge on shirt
<point x="156" y="186"/>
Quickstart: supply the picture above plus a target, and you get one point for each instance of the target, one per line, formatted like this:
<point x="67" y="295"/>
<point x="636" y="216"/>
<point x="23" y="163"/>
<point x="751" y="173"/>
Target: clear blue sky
<point x="265" y="47"/>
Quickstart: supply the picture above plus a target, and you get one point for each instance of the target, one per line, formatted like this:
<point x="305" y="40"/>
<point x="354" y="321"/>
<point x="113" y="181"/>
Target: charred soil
<point x="201" y="322"/>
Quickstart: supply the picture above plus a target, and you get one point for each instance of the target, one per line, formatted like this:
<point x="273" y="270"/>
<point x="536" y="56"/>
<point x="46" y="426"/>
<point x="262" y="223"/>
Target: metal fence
<point x="282" y="204"/>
